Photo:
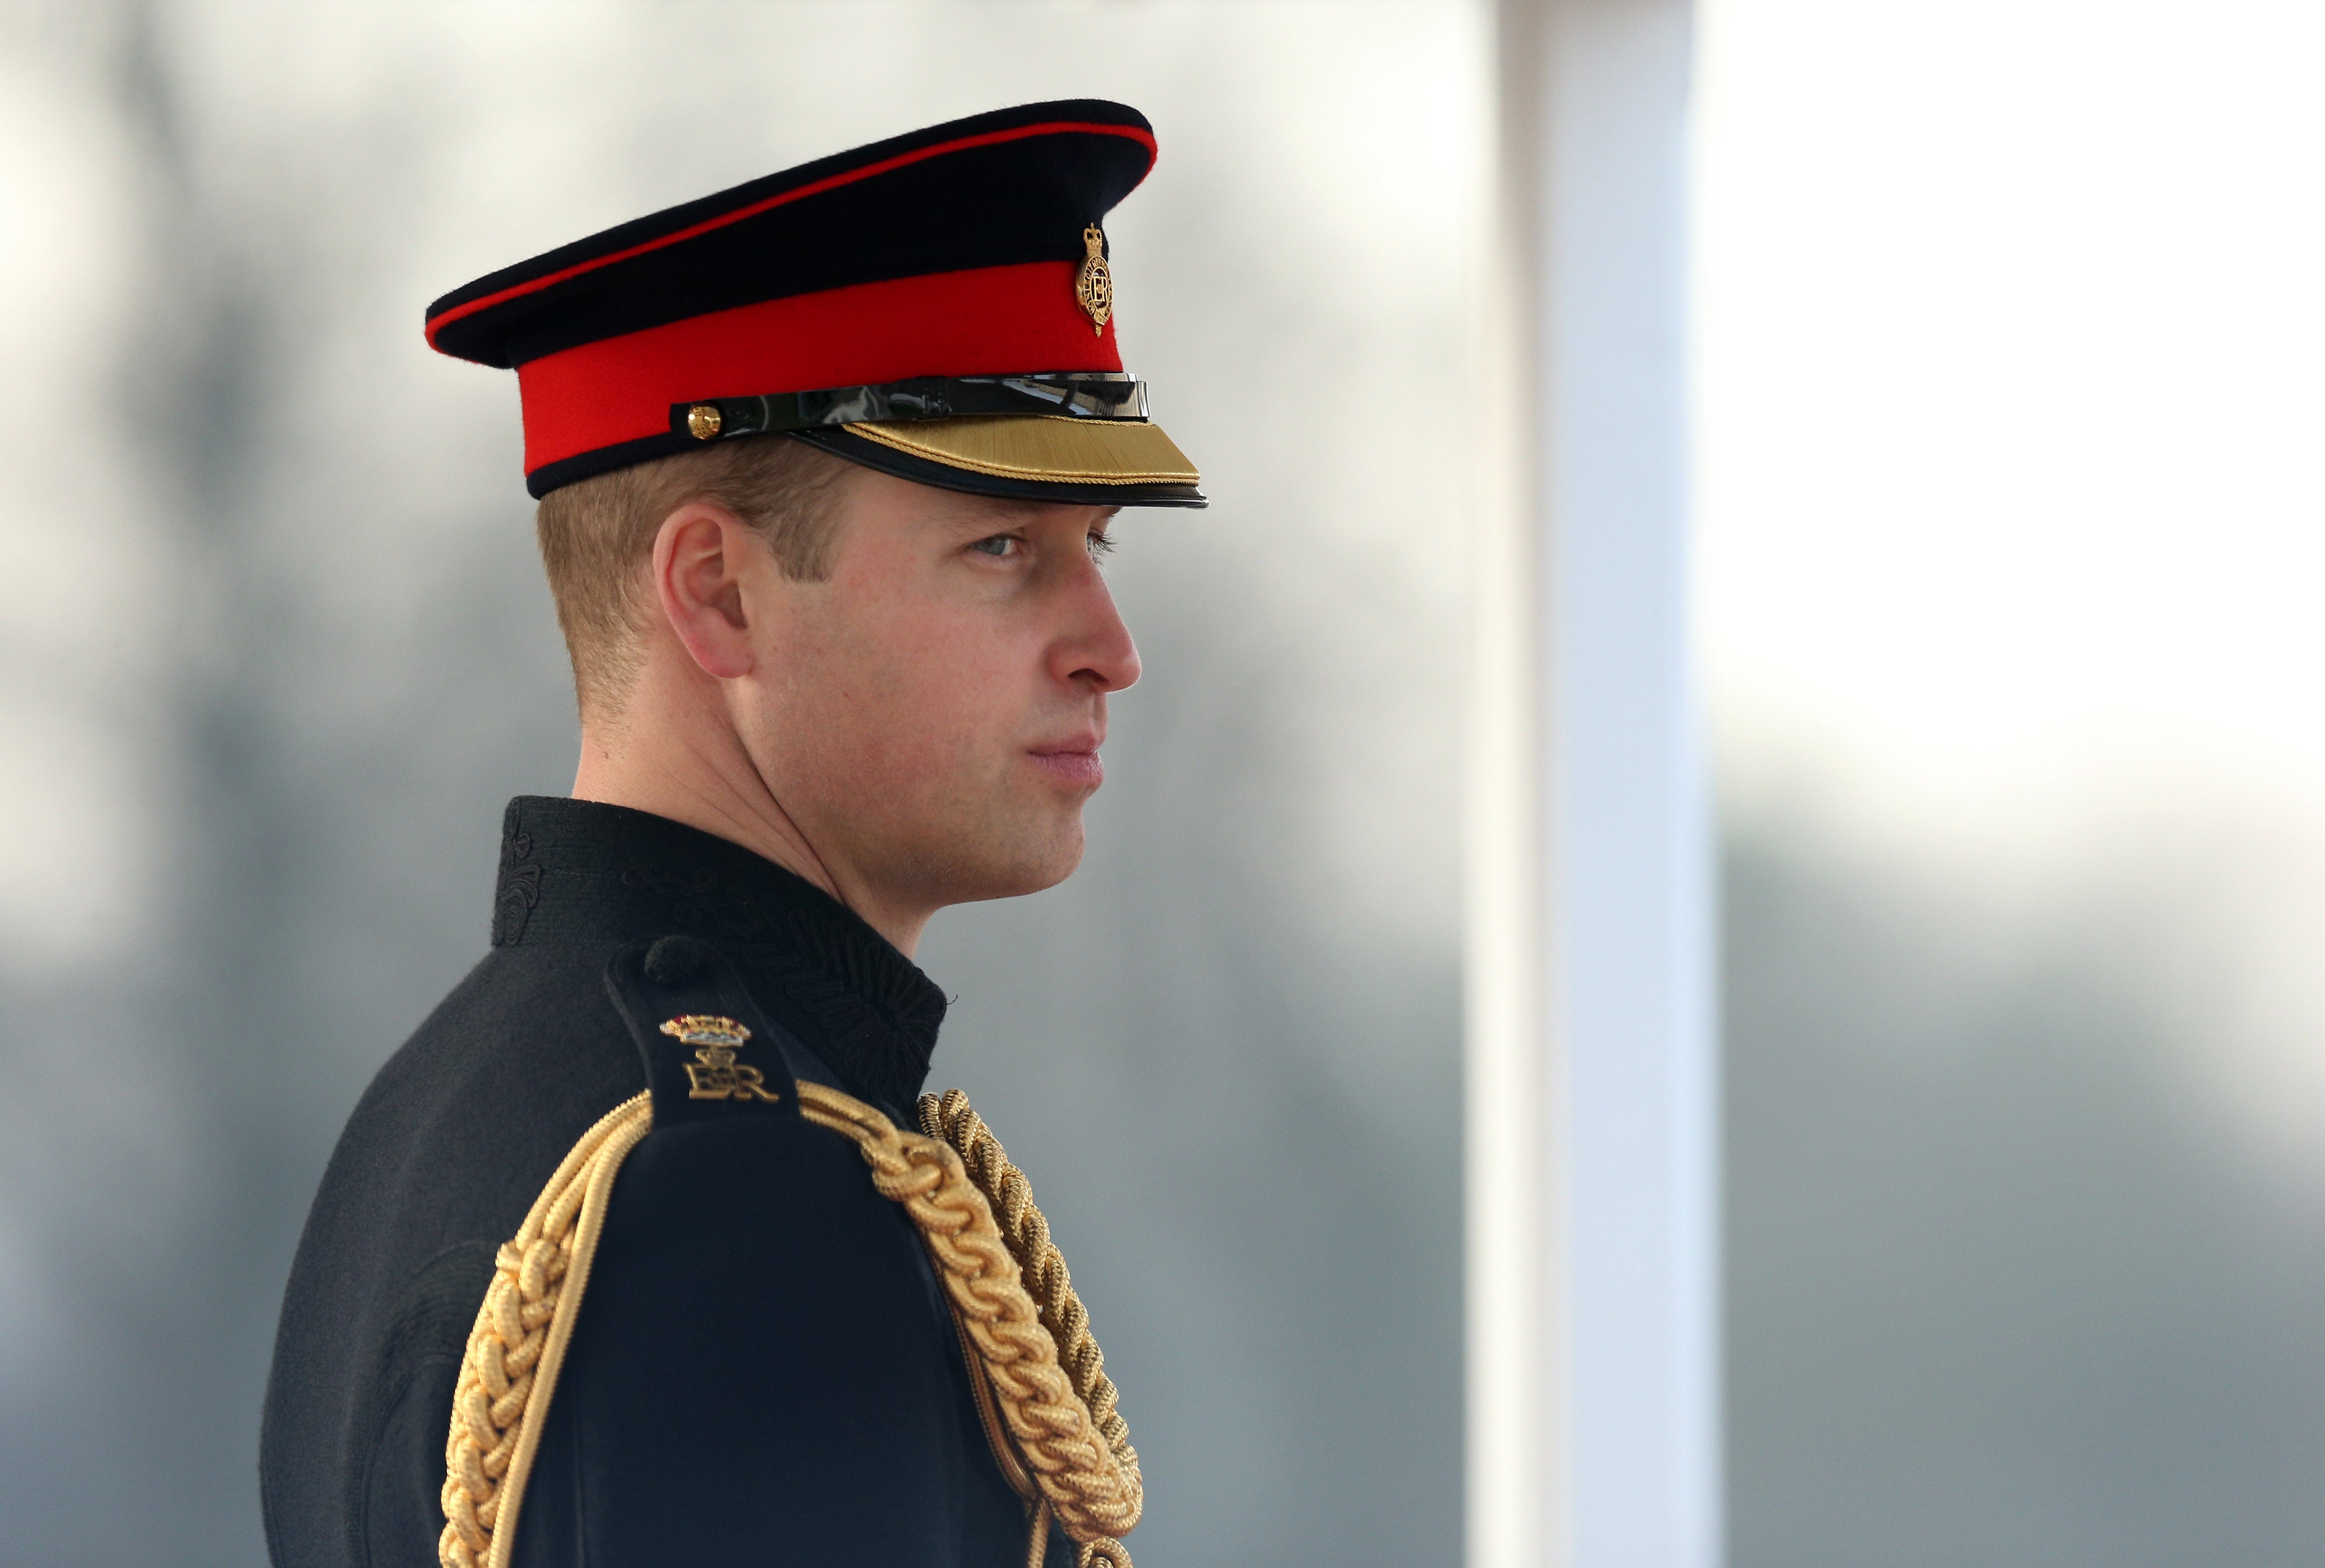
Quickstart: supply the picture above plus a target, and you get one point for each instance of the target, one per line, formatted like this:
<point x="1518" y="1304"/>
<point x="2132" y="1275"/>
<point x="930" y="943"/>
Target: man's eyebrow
<point x="1007" y="512"/>
<point x="1000" y="515"/>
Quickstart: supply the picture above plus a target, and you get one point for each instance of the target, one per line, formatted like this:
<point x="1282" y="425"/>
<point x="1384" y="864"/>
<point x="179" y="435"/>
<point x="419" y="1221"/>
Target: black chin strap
<point x="1077" y="394"/>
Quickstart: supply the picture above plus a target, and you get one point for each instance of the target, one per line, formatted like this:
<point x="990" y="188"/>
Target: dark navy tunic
<point x="762" y="1370"/>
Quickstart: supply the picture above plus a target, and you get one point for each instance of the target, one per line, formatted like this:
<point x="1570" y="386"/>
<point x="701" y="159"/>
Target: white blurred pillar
<point x="1593" y="1429"/>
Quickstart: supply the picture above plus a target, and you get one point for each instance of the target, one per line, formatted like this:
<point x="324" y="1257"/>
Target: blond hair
<point x="595" y="532"/>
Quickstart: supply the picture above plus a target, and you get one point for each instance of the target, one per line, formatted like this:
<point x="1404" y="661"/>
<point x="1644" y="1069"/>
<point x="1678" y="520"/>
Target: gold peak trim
<point x="1054" y="448"/>
<point x="1094" y="284"/>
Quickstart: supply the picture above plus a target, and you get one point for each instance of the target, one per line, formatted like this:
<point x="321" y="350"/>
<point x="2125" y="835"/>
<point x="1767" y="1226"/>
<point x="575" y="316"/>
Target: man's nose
<point x="1099" y="653"/>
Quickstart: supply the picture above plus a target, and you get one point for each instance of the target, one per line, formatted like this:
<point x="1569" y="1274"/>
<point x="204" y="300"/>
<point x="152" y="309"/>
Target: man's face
<point x="930" y="714"/>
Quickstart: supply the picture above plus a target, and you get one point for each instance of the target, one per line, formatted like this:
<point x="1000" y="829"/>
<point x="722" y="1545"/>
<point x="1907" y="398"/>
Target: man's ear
<point x="700" y="556"/>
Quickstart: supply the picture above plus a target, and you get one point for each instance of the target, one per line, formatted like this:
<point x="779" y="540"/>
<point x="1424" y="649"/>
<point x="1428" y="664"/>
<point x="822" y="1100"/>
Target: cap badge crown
<point x="1094" y="286"/>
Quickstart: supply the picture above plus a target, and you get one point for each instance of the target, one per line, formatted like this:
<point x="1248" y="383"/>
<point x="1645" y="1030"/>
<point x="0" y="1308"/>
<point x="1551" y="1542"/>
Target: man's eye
<point x="1101" y="546"/>
<point x="1001" y="544"/>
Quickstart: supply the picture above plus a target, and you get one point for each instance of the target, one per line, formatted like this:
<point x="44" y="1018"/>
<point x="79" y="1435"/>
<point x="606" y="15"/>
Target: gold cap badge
<point x="1094" y="286"/>
<point x="702" y="421"/>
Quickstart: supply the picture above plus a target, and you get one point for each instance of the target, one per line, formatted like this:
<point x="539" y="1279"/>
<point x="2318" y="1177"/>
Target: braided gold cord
<point x="1042" y="1266"/>
<point x="1037" y="1539"/>
<point x="1104" y="1552"/>
<point x="510" y="1369"/>
<point x="1059" y="1411"/>
<point x="1091" y="1489"/>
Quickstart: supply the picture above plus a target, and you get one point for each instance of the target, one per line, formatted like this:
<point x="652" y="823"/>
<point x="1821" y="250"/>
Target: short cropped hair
<point x="596" y="534"/>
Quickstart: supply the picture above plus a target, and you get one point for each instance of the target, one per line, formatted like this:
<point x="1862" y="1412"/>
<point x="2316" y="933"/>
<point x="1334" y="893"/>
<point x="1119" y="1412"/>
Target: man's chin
<point x="1020" y="869"/>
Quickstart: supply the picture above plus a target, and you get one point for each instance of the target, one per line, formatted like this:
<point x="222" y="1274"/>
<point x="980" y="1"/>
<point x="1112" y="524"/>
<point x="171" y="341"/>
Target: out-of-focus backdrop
<point x="2009" y="518"/>
<point x="276" y="653"/>
<point x="2013" y="537"/>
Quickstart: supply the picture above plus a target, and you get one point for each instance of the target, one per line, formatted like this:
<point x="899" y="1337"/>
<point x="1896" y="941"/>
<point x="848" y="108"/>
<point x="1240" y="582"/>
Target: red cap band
<point x="986" y="321"/>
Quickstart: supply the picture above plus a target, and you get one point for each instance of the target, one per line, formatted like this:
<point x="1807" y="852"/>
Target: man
<point x="635" y="1243"/>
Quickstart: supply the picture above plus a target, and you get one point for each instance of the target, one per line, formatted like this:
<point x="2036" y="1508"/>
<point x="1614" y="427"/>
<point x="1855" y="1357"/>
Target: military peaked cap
<point x="937" y="306"/>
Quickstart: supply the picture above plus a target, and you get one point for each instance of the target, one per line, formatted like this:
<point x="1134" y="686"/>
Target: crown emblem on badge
<point x="1093" y="285"/>
<point x="714" y="1073"/>
<point x="703" y="1028"/>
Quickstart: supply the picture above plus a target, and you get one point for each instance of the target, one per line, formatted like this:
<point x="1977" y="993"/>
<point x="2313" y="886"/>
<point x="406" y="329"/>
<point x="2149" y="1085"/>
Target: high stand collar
<point x="579" y="870"/>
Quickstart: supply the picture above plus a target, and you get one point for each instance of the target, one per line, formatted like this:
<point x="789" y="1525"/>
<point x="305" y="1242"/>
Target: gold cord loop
<point x="1087" y="1474"/>
<point x="1043" y="1270"/>
<point x="1007" y="1285"/>
<point x="510" y="1367"/>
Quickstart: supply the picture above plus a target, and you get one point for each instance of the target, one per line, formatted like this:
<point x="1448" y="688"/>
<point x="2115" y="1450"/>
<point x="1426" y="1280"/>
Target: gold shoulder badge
<point x="714" y="1075"/>
<point x="1094" y="288"/>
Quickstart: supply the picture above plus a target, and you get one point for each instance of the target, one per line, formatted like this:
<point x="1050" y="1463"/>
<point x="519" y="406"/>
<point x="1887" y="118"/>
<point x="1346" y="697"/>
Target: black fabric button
<point x="674" y="960"/>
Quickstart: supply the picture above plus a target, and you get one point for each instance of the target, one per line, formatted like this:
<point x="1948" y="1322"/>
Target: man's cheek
<point x="910" y="757"/>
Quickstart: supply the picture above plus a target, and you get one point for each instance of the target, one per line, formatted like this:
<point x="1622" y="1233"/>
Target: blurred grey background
<point x="276" y="653"/>
<point x="2009" y="512"/>
<point x="2025" y="1234"/>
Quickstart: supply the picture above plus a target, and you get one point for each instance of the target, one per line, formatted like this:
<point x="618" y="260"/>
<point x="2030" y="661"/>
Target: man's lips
<point x="1074" y="762"/>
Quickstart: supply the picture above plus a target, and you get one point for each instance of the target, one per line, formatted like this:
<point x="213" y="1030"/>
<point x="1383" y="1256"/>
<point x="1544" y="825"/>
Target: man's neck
<point x="710" y="783"/>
